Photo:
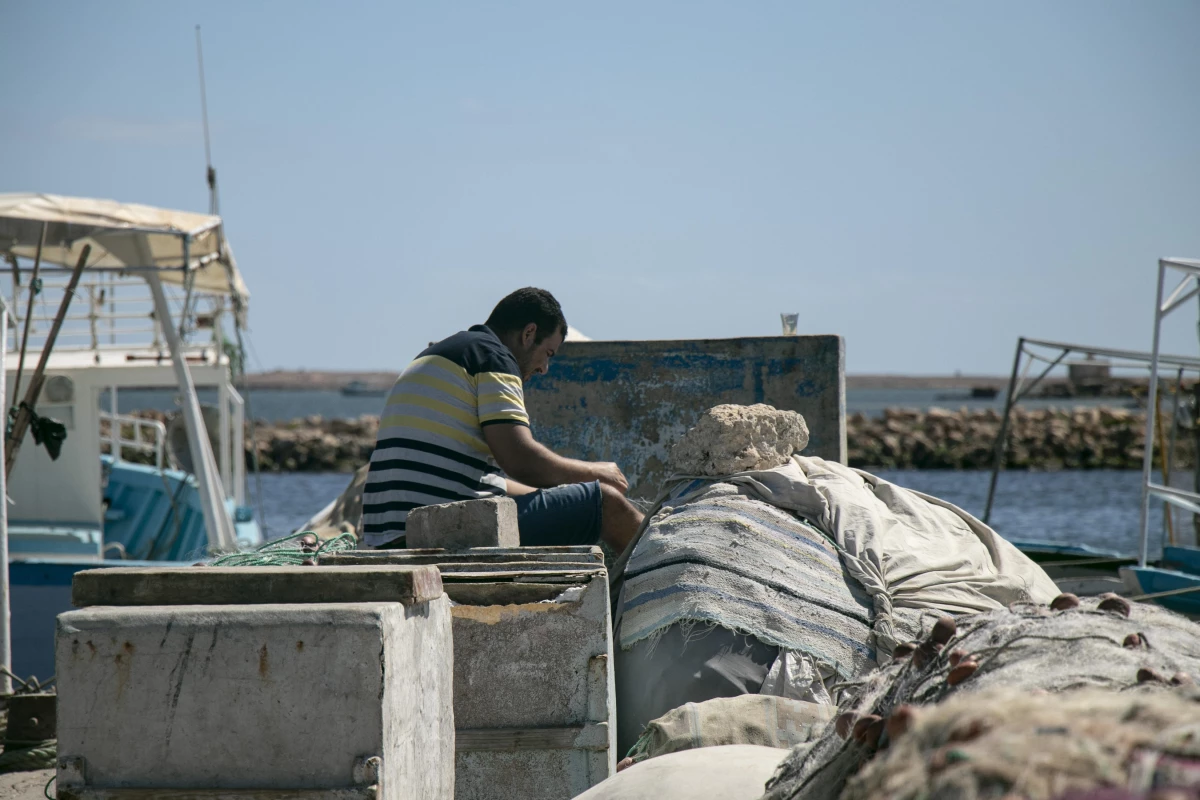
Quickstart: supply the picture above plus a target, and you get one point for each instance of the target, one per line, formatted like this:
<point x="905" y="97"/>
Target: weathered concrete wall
<point x="257" y="696"/>
<point x="627" y="401"/>
<point x="534" y="696"/>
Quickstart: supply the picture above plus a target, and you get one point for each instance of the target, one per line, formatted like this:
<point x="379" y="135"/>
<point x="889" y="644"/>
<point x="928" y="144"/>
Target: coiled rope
<point x="25" y="756"/>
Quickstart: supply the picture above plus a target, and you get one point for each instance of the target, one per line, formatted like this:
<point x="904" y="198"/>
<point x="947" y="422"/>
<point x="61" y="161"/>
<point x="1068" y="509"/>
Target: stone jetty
<point x="1079" y="438"/>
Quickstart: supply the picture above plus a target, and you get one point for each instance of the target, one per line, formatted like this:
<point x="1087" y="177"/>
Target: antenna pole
<point x="210" y="173"/>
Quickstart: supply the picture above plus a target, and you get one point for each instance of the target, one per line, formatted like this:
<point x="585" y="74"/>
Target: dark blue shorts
<point x="563" y="515"/>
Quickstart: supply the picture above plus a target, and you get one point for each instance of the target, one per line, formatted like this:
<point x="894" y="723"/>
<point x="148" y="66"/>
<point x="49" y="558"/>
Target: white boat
<point x="158" y="305"/>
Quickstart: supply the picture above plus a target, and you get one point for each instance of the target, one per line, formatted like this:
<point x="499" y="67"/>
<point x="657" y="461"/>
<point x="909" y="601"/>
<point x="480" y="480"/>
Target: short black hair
<point x="527" y="305"/>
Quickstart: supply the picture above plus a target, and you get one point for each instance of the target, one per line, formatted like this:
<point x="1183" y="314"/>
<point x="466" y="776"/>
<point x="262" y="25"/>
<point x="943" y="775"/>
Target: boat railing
<point x="111" y="313"/>
<point x="147" y="436"/>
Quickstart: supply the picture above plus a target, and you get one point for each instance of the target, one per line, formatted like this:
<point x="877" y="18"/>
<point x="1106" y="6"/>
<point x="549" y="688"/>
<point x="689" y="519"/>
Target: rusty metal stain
<point x="491" y="615"/>
<point x="264" y="663"/>
<point x="124" y="664"/>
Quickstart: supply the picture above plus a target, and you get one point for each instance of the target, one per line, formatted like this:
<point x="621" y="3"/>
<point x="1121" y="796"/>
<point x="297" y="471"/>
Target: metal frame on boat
<point x="1175" y="581"/>
<point x="1020" y="386"/>
<point x="1188" y="288"/>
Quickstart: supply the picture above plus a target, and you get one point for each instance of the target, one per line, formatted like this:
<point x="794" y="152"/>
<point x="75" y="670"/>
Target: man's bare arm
<point x="527" y="461"/>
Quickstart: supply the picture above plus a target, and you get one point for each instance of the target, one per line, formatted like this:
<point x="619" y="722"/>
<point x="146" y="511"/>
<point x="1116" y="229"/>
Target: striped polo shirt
<point x="431" y="448"/>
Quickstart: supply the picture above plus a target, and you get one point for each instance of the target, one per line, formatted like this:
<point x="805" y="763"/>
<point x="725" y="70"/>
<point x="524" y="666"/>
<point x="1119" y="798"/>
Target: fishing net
<point x="1009" y="742"/>
<point x="992" y="672"/>
<point x="302" y="548"/>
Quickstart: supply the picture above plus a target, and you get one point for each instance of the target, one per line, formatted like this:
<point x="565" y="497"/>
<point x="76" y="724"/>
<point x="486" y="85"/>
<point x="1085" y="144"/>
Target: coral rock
<point x="730" y="438"/>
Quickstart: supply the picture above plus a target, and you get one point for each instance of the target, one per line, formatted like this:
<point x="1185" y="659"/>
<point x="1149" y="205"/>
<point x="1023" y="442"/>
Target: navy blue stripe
<point x="476" y="350"/>
<point x="429" y="469"/>
<point x="504" y="422"/>
<point x="863" y="614"/>
<point x="395" y="505"/>
<point x="383" y="527"/>
<point x="436" y="450"/>
<point x="412" y="486"/>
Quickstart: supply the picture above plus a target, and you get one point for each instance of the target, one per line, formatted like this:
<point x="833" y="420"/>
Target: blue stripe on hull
<point x="39" y="592"/>
<point x="1184" y="559"/>
<point x="1150" y="580"/>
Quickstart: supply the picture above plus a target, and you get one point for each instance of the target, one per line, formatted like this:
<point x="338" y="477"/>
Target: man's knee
<point x="613" y="498"/>
<point x="610" y="494"/>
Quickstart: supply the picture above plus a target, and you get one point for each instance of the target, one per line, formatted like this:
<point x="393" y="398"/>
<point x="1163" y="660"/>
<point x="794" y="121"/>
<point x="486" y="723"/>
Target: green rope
<point x="21" y="756"/>
<point x="287" y="551"/>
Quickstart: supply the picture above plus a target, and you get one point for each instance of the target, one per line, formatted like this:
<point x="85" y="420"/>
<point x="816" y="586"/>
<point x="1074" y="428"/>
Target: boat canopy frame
<point x="1052" y="354"/>
<point x="159" y="246"/>
<point x="124" y="237"/>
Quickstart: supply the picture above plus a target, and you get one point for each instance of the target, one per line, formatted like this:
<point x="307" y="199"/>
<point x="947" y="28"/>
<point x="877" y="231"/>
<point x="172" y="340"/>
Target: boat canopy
<point x="124" y="236"/>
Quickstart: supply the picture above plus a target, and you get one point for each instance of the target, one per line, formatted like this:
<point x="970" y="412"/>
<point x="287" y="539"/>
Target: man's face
<point x="534" y="357"/>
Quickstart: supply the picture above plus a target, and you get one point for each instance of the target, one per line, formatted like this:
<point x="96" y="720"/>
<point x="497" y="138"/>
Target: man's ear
<point x="529" y="335"/>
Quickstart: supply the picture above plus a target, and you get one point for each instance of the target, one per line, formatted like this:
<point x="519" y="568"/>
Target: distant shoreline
<point x="319" y="380"/>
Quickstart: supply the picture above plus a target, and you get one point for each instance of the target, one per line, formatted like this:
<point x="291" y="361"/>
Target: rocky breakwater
<point x="314" y="444"/>
<point x="1080" y="438"/>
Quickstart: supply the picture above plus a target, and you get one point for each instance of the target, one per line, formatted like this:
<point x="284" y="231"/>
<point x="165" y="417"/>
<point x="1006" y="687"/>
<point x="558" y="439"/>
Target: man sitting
<point x="455" y="428"/>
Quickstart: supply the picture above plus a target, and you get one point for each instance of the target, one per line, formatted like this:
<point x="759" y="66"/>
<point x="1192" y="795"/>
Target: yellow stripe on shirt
<point x="436" y="406"/>
<point x="421" y="424"/>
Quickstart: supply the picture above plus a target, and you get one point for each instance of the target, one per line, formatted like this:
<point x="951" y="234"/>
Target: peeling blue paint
<point x="628" y="401"/>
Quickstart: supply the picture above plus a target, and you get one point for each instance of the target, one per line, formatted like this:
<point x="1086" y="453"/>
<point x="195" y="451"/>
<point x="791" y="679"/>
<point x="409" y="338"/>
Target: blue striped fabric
<point x="719" y="557"/>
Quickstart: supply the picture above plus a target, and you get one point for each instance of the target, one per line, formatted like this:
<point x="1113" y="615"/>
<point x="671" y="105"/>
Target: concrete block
<point x="172" y="586"/>
<point x="276" y="698"/>
<point x="469" y="523"/>
<point x="533" y="678"/>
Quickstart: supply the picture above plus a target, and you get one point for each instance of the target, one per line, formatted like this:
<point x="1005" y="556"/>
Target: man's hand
<point x="610" y="473"/>
<point x="524" y="461"/>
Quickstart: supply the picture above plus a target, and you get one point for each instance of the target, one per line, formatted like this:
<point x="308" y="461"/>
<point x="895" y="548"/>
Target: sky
<point x="929" y="180"/>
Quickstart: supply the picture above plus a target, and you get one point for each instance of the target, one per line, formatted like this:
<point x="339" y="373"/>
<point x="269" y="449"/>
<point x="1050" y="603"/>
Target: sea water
<point x="1095" y="507"/>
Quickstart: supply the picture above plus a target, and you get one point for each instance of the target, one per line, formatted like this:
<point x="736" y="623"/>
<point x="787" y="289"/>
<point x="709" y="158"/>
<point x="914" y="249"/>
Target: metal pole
<point x="1170" y="462"/>
<point x="212" y="499"/>
<point x="92" y="316"/>
<point x="223" y="423"/>
<point x="39" y="375"/>
<point x="239" y="447"/>
<point x="5" y="613"/>
<point x="1148" y="458"/>
<point x="1164" y="463"/>
<point x="1002" y="438"/>
<point x="1196" y="454"/>
<point x="37" y="265"/>
<point x="114" y="427"/>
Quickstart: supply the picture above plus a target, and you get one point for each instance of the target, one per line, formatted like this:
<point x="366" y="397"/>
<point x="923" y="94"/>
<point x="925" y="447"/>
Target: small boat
<point x="157" y="299"/>
<point x="363" y="389"/>
<point x="1079" y="568"/>
<point x="975" y="393"/>
<point x="1175" y="581"/>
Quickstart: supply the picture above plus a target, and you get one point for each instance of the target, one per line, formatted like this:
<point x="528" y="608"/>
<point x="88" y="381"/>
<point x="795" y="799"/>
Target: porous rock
<point x="732" y="438"/>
